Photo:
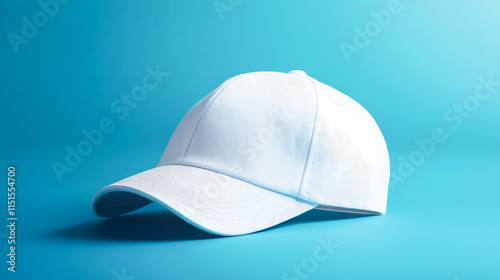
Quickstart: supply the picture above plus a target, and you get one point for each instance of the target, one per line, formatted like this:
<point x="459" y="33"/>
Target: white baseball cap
<point x="260" y="149"/>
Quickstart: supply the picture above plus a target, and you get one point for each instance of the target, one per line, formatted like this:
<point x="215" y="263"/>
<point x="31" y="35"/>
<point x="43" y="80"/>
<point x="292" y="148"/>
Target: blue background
<point x="442" y="221"/>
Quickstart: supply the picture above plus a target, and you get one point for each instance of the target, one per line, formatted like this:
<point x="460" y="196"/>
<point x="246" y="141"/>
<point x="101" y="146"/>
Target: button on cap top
<point x="298" y="72"/>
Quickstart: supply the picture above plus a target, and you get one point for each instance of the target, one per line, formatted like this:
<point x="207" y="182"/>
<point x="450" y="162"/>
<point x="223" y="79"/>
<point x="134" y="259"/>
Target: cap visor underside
<point x="211" y="201"/>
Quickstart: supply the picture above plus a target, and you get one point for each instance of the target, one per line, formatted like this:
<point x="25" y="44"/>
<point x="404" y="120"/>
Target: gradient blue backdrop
<point x="442" y="222"/>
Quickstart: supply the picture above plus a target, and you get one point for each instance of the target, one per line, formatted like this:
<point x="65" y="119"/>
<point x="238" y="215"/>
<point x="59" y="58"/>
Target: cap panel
<point x="258" y="129"/>
<point x="179" y="142"/>
<point x="183" y="134"/>
<point x="348" y="165"/>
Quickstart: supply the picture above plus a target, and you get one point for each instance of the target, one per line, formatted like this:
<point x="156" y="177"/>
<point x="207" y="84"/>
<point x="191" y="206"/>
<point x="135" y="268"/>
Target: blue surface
<point x="412" y="75"/>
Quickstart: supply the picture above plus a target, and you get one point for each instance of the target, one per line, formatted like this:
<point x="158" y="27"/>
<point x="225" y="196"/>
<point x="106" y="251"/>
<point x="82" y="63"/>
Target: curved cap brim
<point x="211" y="201"/>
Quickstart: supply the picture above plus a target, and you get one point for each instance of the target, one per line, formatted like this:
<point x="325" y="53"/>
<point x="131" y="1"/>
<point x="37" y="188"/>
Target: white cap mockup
<point x="260" y="149"/>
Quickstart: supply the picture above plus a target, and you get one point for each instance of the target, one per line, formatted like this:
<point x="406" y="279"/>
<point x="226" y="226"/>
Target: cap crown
<point x="290" y="134"/>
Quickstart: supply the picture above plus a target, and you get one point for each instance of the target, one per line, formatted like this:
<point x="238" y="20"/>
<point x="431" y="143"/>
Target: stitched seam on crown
<point x="308" y="181"/>
<point x="216" y="94"/>
<point x="312" y="134"/>
<point x="199" y="130"/>
<point x="303" y="147"/>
